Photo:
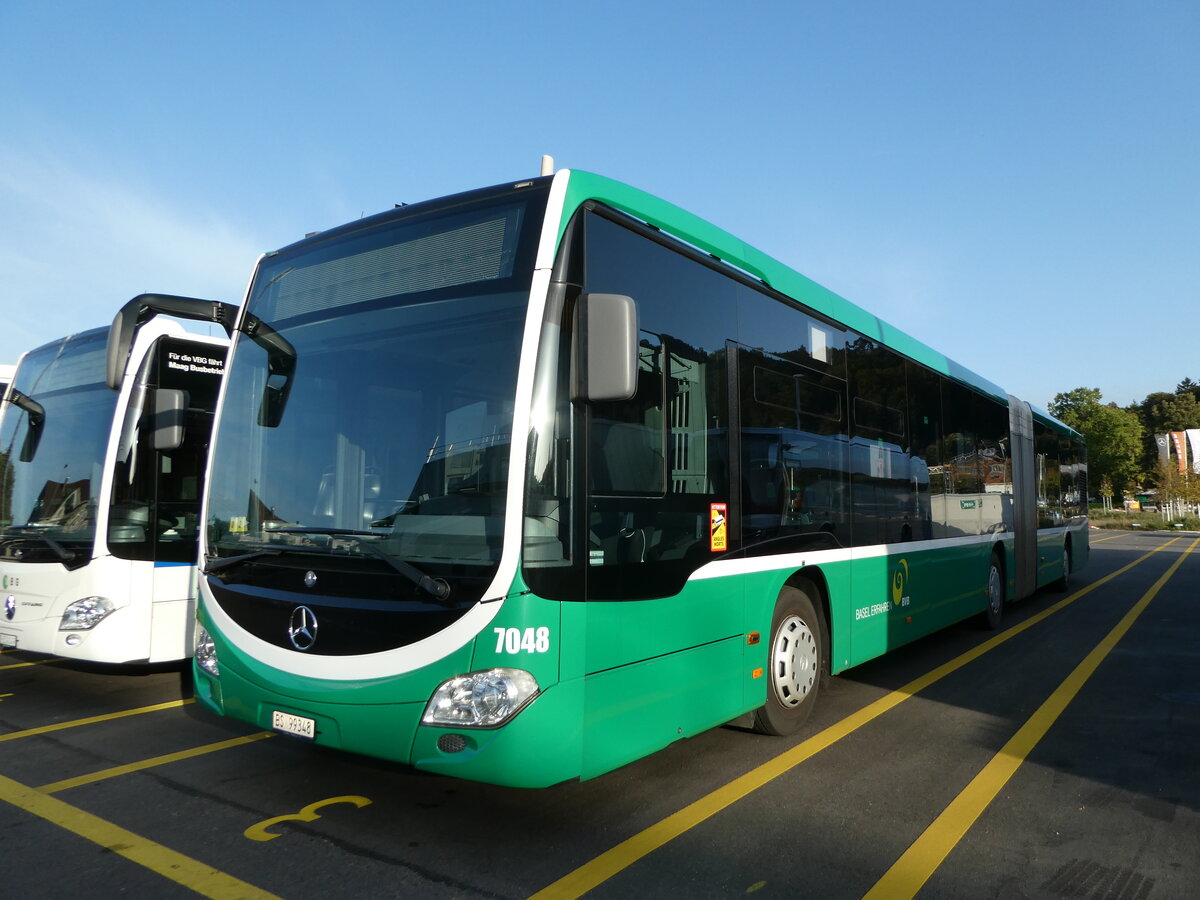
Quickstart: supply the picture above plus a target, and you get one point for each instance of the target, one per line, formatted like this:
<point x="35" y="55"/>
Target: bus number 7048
<point x="515" y="640"/>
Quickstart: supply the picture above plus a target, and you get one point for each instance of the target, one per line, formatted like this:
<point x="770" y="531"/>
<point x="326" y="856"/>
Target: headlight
<point x="481" y="699"/>
<point x="85" y="614"/>
<point x="206" y="652"/>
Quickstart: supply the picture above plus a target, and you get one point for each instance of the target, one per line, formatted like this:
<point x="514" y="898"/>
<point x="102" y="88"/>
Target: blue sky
<point x="1016" y="184"/>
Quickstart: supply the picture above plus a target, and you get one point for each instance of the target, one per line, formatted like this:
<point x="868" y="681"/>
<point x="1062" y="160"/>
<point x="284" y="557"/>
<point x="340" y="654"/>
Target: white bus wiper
<point x="437" y="588"/>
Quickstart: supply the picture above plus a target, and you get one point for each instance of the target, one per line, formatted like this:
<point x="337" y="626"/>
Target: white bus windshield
<point x="50" y="485"/>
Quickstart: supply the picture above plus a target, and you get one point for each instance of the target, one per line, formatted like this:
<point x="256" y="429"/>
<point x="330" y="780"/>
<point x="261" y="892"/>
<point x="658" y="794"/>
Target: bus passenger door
<point x="664" y="650"/>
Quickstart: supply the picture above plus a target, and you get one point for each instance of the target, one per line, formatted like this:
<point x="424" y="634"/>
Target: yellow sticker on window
<point x="718" y="528"/>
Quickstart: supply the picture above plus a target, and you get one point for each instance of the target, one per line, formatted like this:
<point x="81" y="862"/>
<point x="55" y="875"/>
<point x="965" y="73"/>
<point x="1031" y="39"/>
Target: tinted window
<point x="925" y="450"/>
<point x="155" y="511"/>
<point x="884" y="480"/>
<point x="660" y="460"/>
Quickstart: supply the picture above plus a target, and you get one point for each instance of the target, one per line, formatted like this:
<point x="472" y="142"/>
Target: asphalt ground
<point x="1057" y="757"/>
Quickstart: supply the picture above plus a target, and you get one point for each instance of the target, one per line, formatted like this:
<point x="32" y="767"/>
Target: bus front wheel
<point x="794" y="664"/>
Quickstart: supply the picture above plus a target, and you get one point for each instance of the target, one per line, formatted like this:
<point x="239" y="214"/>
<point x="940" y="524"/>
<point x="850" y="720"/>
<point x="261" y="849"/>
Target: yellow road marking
<point x="68" y="783"/>
<point x="603" y="867"/>
<point x="910" y="872"/>
<point x="90" y="720"/>
<point x="36" y="662"/>
<point x="161" y="860"/>
<point x="310" y="813"/>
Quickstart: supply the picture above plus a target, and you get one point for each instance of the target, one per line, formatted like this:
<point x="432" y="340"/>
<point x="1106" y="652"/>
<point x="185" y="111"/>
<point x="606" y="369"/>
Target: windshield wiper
<point x="24" y="532"/>
<point x="228" y="562"/>
<point x="437" y="588"/>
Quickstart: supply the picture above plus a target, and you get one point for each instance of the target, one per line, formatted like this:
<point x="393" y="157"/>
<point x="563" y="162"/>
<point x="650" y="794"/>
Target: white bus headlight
<point x="85" y="614"/>
<point x="481" y="699"/>
<point x="206" y="652"/>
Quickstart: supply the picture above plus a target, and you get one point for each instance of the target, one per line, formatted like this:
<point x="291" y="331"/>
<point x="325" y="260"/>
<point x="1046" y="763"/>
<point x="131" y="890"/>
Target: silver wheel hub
<point x="793" y="661"/>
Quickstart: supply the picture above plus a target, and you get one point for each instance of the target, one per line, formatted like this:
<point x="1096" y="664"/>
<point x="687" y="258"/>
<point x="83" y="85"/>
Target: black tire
<point x="1063" y="584"/>
<point x="795" y="663"/>
<point x="992" y="615"/>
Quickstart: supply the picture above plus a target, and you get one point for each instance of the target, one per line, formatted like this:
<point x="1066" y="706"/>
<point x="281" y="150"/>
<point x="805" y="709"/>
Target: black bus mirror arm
<point x="281" y="366"/>
<point x="37" y="422"/>
<point x="144" y="307"/>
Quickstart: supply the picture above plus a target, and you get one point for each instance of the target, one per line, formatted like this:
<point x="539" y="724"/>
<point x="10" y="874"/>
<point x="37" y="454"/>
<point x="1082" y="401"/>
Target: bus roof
<point x="584" y="186"/>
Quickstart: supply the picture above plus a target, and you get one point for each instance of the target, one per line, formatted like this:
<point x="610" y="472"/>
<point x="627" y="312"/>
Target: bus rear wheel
<point x="1063" y="584"/>
<point x="995" y="595"/>
<point x="794" y="664"/>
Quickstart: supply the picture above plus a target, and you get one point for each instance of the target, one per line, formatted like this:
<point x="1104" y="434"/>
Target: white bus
<point x="6" y="377"/>
<point x="100" y="493"/>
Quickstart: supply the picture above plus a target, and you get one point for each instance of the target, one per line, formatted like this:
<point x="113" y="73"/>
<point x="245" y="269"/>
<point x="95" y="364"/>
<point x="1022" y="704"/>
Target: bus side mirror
<point x="170" y="416"/>
<point x="274" y="398"/>
<point x="606" y="335"/>
<point x="281" y="369"/>
<point x="37" y="422"/>
<point x="120" y="341"/>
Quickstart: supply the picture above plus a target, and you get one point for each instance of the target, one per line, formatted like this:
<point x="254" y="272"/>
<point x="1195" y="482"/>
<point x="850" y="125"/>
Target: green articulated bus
<point x="523" y="484"/>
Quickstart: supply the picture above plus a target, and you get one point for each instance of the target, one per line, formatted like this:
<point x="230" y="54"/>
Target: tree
<point x="1113" y="435"/>
<point x="1161" y="413"/>
<point x="1170" y="412"/>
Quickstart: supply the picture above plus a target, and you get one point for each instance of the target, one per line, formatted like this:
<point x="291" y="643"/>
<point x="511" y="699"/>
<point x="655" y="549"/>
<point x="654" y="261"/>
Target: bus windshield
<point x="51" y="481"/>
<point x="369" y="403"/>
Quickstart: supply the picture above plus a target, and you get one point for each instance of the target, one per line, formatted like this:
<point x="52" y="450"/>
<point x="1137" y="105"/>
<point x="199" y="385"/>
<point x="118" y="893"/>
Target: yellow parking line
<point x="910" y="872"/>
<point x="161" y="860"/>
<point x="603" y="867"/>
<point x="151" y="763"/>
<point x="90" y="720"/>
<point x="36" y="662"/>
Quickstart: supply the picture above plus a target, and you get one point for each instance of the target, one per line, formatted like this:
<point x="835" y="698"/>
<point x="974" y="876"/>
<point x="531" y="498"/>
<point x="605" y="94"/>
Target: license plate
<point x="297" y="725"/>
<point x="8" y="641"/>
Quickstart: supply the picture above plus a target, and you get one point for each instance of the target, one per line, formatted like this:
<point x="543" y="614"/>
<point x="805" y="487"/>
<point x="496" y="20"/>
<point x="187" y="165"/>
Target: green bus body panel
<point x="1050" y="550"/>
<point x="616" y="634"/>
<point x="639" y="708"/>
<point x="623" y="679"/>
<point x="541" y="746"/>
<point x="903" y="596"/>
<point x="381" y="730"/>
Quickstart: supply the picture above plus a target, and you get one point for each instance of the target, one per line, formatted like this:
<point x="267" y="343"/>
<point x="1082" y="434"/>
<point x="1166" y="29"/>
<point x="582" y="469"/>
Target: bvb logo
<point x="900" y="582"/>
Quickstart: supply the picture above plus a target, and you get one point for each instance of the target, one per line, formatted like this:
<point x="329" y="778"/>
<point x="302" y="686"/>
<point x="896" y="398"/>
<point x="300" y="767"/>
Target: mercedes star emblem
<point x="302" y="631"/>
